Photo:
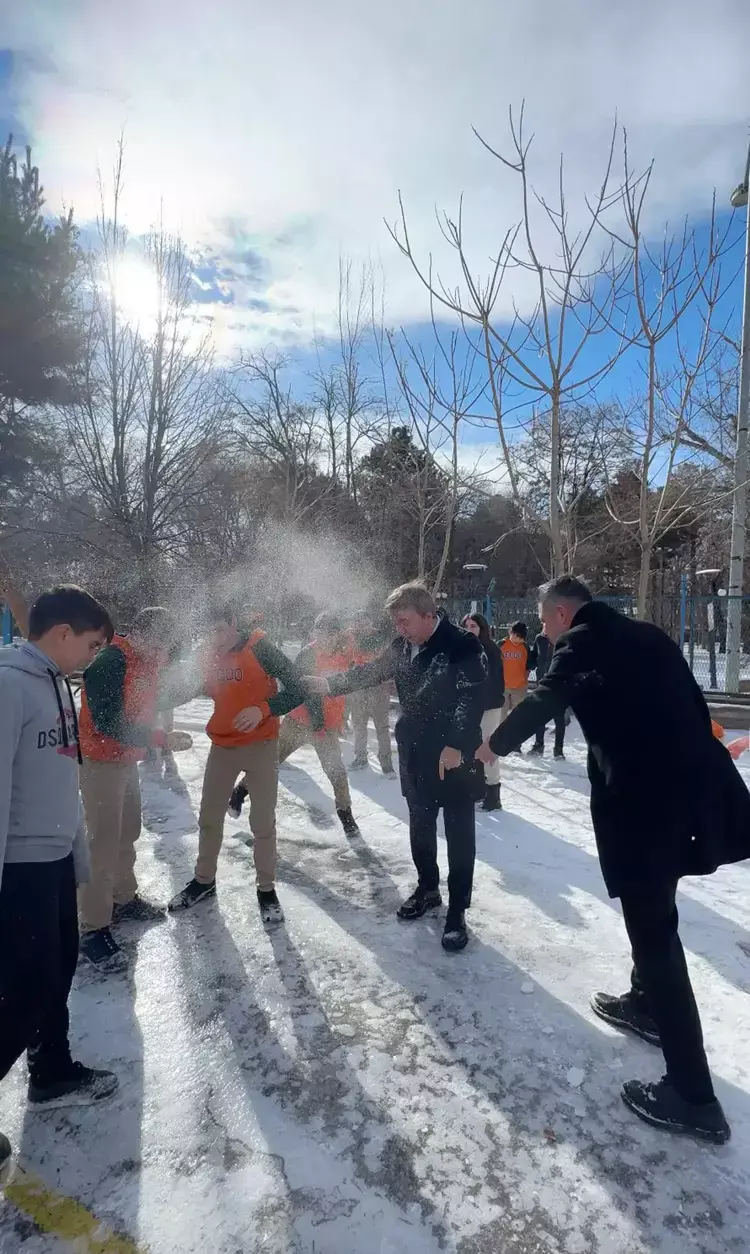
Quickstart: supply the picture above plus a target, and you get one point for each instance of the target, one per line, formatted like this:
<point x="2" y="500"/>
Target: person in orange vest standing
<point x="320" y="720"/>
<point x="518" y="660"/>
<point x="117" y="728"/>
<point x="241" y="672"/>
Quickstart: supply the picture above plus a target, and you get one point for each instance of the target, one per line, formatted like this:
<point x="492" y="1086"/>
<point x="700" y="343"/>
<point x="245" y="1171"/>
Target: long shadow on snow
<point x="652" y="1179"/>
<point x="318" y="1089"/>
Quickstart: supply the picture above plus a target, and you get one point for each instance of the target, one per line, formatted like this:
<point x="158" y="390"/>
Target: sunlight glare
<point x="137" y="293"/>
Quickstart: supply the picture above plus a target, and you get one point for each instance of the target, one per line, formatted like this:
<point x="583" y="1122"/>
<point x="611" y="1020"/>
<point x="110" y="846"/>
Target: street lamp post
<point x="739" y="200"/>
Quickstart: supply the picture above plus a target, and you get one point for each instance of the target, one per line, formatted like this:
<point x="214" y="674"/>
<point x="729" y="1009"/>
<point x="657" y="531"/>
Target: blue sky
<point x="276" y="137"/>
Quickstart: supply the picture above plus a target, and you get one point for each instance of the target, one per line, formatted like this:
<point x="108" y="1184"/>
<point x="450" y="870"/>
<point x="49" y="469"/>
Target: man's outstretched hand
<point x="485" y="755"/>
<point x="317" y="684"/>
<point x="450" y="760"/>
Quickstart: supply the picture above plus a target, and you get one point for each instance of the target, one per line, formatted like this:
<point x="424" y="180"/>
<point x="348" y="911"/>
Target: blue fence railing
<point x="695" y="621"/>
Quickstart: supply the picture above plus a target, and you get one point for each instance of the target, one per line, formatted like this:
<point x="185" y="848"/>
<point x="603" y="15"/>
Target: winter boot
<point x="191" y="894"/>
<point x="661" y="1105"/>
<point x="492" y="797"/>
<point x="421" y="900"/>
<point x="360" y="762"/>
<point x="78" y="1086"/>
<point x="536" y="750"/>
<point x="622" y="1012"/>
<point x="270" y="906"/>
<point x="237" y="801"/>
<point x="138" y="910"/>
<point x="348" y="822"/>
<point x="101" y="951"/>
<point x="455" y="935"/>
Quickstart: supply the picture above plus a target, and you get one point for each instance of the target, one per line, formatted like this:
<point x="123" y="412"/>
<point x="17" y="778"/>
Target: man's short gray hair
<point x="566" y="588"/>
<point x="411" y="596"/>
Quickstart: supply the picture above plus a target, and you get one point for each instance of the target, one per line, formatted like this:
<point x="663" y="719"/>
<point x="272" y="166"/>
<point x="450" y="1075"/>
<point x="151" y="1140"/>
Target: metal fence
<point x="695" y="621"/>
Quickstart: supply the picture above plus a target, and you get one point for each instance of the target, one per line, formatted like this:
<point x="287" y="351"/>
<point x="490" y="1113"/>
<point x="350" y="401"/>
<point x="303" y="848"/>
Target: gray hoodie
<point x="41" y="819"/>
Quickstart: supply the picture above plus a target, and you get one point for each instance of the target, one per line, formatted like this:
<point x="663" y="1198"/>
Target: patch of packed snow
<point x="341" y="1085"/>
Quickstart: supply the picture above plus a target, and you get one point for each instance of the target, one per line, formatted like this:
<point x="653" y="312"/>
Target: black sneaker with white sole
<point x="360" y="762"/>
<point x="388" y="772"/>
<point x="558" y="755"/>
<point x="137" y="910"/>
<point x="78" y="1086"/>
<point x="419" y="903"/>
<point x="237" y="801"/>
<point x="348" y="822"/>
<point x="661" y="1105"/>
<point x="536" y="751"/>
<point x="191" y="895"/>
<point x="621" y="1012"/>
<point x="270" y="906"/>
<point x="101" y="951"/>
<point x="455" y="934"/>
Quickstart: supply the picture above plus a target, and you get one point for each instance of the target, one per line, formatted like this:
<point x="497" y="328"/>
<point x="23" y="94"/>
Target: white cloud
<point x="291" y="125"/>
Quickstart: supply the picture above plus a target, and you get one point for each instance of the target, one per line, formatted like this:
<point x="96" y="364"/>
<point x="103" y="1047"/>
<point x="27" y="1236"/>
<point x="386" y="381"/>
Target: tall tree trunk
<point x="555" y="529"/>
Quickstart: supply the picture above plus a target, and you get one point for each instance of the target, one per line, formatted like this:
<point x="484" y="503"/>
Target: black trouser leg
<point x="423" y="837"/>
<point x="38" y="956"/>
<point x="460" y="836"/>
<point x="559" y="733"/>
<point x="661" y="983"/>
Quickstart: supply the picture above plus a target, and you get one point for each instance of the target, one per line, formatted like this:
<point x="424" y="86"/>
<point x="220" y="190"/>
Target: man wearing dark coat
<point x="666" y="801"/>
<point x="440" y="675"/>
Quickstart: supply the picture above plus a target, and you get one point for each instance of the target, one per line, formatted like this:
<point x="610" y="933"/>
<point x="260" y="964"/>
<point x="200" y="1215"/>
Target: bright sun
<point x="137" y="293"/>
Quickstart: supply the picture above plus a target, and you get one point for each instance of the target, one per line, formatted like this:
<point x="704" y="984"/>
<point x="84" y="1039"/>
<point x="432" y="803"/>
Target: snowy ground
<point x="342" y="1086"/>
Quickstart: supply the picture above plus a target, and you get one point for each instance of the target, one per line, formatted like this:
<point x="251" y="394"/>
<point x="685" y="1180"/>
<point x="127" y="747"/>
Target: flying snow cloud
<point x="276" y="136"/>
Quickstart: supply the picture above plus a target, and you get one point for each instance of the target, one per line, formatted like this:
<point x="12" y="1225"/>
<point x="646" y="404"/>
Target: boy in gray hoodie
<point x="43" y="846"/>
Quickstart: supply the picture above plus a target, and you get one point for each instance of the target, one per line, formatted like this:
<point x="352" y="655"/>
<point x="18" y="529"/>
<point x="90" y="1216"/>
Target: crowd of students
<point x="464" y="701"/>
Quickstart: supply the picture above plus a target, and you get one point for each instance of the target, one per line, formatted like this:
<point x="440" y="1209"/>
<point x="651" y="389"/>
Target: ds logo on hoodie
<point x="56" y="738"/>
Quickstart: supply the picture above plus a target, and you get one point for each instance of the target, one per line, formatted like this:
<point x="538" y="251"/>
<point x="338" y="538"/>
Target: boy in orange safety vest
<point x="241" y="671"/>
<point x="117" y="728"/>
<point x="320" y="720"/>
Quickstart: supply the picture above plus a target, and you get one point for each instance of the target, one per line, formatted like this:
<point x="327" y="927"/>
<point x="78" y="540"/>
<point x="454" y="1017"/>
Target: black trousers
<point x="661" y="986"/>
<point x="38" y="957"/>
<point x="460" y="837"/>
<point x="559" y="733"/>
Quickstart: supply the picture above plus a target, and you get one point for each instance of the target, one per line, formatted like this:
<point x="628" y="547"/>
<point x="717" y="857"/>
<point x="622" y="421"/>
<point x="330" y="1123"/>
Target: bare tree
<point x="559" y="350"/>
<point x="667" y="282"/>
<point x="147" y="414"/>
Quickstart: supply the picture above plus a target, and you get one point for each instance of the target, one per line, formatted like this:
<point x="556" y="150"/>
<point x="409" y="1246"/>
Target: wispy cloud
<point x="276" y="135"/>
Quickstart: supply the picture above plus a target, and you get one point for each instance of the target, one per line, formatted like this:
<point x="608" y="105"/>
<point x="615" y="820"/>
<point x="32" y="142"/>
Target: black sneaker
<point x="80" y="1086"/>
<point x="349" y="823"/>
<point x="5" y="1155"/>
<point x="137" y="910"/>
<point x="270" y="906"/>
<point x="536" y="751"/>
<point x="622" y="1013"/>
<point x="661" y="1105"/>
<point x="101" y="950"/>
<point x="360" y="763"/>
<point x="559" y="756"/>
<point x="388" y="772"/>
<point x="419" y="903"/>
<point x="492" y="798"/>
<point x="191" y="894"/>
<point x="237" y="801"/>
<point x="455" y="935"/>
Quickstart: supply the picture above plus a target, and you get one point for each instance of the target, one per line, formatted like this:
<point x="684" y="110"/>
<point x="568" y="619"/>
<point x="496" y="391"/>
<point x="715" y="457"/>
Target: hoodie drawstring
<point x="63" y="719"/>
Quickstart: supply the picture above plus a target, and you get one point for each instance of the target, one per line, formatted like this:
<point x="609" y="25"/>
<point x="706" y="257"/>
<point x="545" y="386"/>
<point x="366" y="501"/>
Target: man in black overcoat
<point x="440" y="675"/>
<point x="666" y="801"/>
